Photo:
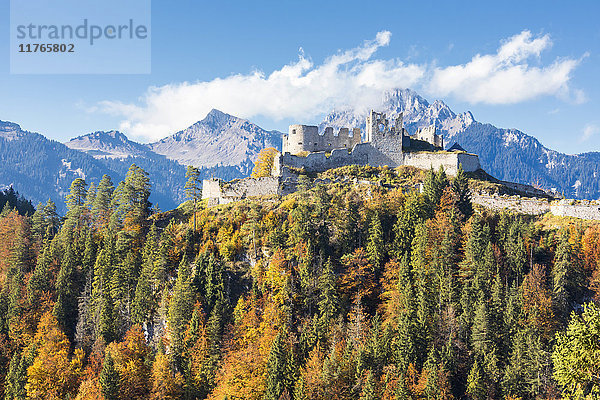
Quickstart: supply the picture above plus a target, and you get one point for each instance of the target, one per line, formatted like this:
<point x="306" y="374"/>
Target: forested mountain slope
<point x="337" y="291"/>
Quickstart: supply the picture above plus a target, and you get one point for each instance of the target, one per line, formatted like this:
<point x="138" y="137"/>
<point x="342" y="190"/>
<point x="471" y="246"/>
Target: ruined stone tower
<point x="386" y="140"/>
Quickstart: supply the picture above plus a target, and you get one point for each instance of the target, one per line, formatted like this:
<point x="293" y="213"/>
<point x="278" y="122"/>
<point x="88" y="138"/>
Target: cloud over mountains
<point x="350" y="79"/>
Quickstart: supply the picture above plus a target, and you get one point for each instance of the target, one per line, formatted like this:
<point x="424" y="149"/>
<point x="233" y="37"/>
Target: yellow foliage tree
<point x="244" y="370"/>
<point x="167" y="384"/>
<point x="90" y="390"/>
<point x="264" y="162"/>
<point x="53" y="375"/>
<point x="131" y="358"/>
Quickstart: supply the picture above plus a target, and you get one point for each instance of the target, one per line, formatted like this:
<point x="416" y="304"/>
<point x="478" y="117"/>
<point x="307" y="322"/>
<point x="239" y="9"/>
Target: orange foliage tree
<point x="132" y="360"/>
<point x="53" y="375"/>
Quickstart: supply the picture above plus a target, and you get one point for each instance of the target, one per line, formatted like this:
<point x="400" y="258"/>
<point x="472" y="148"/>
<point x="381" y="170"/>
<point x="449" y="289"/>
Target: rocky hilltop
<point x="218" y="139"/>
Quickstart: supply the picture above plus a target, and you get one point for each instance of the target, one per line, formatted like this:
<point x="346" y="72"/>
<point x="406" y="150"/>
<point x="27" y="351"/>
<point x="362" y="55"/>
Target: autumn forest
<point x="338" y="291"/>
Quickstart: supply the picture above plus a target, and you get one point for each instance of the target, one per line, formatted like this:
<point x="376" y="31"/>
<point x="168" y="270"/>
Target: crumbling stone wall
<point x="519" y="205"/>
<point x="450" y="161"/>
<point x="428" y="134"/>
<point x="583" y="211"/>
<point x="220" y="192"/>
<point x="368" y="154"/>
<point x="536" y="206"/>
<point x="302" y="138"/>
<point x="318" y="162"/>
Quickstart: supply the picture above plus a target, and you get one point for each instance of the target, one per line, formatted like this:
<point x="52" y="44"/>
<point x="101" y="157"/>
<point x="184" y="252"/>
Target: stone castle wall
<point x="301" y="138"/>
<point x="368" y="154"/>
<point x="220" y="192"/>
<point x="583" y="211"/>
<point x="534" y="206"/>
<point x="450" y="161"/>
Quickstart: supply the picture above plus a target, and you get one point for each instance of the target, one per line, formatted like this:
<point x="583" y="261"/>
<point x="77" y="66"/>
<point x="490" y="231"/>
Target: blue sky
<point x="198" y="46"/>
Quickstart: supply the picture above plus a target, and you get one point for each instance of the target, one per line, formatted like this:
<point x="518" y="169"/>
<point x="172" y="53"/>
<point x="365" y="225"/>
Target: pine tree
<point x="369" y="389"/>
<point x="375" y="245"/>
<point x="276" y="367"/>
<point x="328" y="296"/>
<point x="410" y="215"/>
<point x="180" y="310"/>
<point x="51" y="218"/>
<point x="39" y="282"/>
<point x="476" y="388"/>
<point x="65" y="309"/>
<point x="75" y="204"/>
<point x="101" y="207"/>
<point x="107" y="327"/>
<point x="460" y="187"/>
<point x="38" y="224"/>
<point x="16" y="378"/>
<point x="109" y="378"/>
<point x="560" y="277"/>
<point x="193" y="188"/>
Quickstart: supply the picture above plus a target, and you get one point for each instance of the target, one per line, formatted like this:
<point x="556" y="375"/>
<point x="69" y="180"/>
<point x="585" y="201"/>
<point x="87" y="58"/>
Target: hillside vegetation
<point x="338" y="291"/>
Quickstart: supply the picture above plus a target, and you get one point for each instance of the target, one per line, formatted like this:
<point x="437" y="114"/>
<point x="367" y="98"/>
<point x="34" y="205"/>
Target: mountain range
<point x="225" y="146"/>
<point x="507" y="154"/>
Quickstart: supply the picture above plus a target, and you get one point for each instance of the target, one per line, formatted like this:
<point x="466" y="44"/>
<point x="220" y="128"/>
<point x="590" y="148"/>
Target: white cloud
<point x="506" y="77"/>
<point x="588" y="131"/>
<point x="298" y="90"/>
<point x="302" y="90"/>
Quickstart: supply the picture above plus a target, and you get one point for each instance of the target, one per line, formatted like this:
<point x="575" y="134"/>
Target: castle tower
<point x="387" y="142"/>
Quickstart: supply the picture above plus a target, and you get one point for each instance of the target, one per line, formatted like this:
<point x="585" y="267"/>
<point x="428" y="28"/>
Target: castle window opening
<point x="293" y="131"/>
<point x="300" y="143"/>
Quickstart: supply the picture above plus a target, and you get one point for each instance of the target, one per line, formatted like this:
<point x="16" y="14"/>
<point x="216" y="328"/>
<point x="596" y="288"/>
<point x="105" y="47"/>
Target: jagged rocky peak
<point x="218" y="118"/>
<point x="403" y="100"/>
<point x="418" y="113"/>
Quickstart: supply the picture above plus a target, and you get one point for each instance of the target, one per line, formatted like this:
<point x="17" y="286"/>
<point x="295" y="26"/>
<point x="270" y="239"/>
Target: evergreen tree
<point x="51" y="218"/>
<point x="180" y="310"/>
<point x="476" y="387"/>
<point x="101" y="207"/>
<point x="276" y="368"/>
<point x="576" y="366"/>
<point x="375" y="245"/>
<point x="369" y="390"/>
<point x="460" y="187"/>
<point x="75" y="204"/>
<point x="65" y="309"/>
<point x="16" y="378"/>
<point x="410" y="215"/>
<point x="560" y="277"/>
<point x="39" y="282"/>
<point x="328" y="297"/>
<point x="193" y="188"/>
<point x="109" y="378"/>
<point x="38" y="224"/>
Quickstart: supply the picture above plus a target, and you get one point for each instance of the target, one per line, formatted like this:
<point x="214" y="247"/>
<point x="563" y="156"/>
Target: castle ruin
<point x="305" y="149"/>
